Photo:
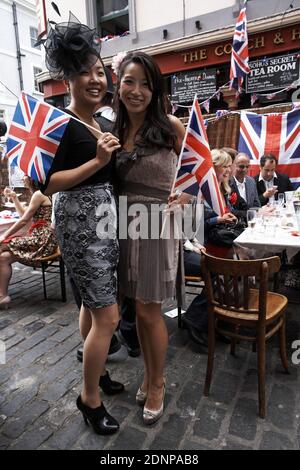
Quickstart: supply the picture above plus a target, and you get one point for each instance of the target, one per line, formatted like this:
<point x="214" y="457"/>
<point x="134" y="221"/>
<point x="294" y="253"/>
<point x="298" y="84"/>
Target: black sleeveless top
<point x="78" y="146"/>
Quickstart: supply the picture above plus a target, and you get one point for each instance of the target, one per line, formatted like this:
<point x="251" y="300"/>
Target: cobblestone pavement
<point x="41" y="379"/>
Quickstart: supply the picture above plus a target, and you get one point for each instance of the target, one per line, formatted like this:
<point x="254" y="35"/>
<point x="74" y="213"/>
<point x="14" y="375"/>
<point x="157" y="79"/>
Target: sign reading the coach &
<point x="185" y="85"/>
<point x="272" y="73"/>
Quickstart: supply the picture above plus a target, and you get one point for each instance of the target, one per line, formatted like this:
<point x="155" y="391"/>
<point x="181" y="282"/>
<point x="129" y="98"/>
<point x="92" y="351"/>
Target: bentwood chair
<point x="233" y="305"/>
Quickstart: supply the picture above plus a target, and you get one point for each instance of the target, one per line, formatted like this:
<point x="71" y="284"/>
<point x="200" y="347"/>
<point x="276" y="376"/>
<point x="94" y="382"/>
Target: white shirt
<point x="268" y="185"/>
<point x="108" y="113"/>
<point x="242" y="188"/>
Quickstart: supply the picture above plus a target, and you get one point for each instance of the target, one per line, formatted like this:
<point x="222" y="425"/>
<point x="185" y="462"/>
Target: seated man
<point x="244" y="186"/>
<point x="269" y="183"/>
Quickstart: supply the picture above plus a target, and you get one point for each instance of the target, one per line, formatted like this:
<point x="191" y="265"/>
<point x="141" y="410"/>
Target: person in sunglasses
<point x="243" y="185"/>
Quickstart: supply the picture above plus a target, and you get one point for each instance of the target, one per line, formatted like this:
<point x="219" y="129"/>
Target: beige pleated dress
<point x="148" y="266"/>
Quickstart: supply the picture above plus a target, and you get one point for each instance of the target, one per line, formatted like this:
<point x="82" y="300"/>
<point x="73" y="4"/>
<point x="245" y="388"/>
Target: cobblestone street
<point x="42" y="378"/>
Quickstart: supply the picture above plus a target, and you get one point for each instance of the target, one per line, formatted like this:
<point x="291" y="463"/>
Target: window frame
<point x="33" y="39"/>
<point x="111" y="17"/>
<point x="36" y="85"/>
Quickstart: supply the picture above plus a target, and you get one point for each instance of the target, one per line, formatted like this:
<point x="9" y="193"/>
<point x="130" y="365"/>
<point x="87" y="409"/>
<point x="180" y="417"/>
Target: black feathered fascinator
<point x="70" y="48"/>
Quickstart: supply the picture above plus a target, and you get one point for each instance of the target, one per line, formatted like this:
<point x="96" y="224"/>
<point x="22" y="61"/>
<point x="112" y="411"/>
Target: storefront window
<point x="113" y="17"/>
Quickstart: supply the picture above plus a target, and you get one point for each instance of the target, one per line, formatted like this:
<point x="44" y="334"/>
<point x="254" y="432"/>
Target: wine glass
<point x="281" y="199"/>
<point x="251" y="219"/>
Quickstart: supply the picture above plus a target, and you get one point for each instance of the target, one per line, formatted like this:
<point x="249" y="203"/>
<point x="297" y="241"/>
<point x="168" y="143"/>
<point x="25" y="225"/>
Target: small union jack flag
<point x="278" y="134"/>
<point x="240" y="53"/>
<point x="34" y="136"/>
<point x="196" y="171"/>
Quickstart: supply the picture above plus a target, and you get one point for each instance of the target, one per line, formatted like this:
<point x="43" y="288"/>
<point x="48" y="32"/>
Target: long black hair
<point x="156" y="130"/>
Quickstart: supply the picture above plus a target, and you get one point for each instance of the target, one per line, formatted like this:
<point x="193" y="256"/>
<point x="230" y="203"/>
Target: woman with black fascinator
<point x="85" y="210"/>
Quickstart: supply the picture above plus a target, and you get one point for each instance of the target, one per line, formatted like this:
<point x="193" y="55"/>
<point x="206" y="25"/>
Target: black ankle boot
<point x="110" y="387"/>
<point x="101" y="421"/>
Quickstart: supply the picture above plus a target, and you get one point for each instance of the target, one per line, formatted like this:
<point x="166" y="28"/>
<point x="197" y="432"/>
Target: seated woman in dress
<point x="222" y="164"/>
<point x="39" y="241"/>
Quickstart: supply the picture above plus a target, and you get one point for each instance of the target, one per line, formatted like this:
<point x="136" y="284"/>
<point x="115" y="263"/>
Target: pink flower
<point x="117" y="60"/>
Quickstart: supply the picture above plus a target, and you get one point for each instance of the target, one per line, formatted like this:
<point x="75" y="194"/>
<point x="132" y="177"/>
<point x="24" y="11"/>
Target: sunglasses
<point x="242" y="167"/>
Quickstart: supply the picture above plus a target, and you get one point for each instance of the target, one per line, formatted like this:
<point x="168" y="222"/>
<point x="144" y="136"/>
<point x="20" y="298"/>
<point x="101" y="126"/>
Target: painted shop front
<point x="274" y="63"/>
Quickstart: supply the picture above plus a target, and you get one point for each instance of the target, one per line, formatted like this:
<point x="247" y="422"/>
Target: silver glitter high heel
<point x="151" y="416"/>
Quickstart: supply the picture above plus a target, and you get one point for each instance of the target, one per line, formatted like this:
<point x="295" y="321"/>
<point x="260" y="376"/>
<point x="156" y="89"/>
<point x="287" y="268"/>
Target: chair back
<point x="228" y="283"/>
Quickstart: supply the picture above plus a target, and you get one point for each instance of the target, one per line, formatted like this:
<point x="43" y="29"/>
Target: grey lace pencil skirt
<point x="86" y="228"/>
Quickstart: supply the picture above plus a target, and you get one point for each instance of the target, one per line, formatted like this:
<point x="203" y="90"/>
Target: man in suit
<point x="269" y="183"/>
<point x="244" y="186"/>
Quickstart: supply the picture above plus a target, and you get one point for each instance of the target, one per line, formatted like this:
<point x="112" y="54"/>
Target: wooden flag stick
<point x="82" y="122"/>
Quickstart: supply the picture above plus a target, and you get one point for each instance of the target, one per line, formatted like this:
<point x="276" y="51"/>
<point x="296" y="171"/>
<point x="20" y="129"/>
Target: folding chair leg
<point x="44" y="281"/>
<point x="62" y="280"/>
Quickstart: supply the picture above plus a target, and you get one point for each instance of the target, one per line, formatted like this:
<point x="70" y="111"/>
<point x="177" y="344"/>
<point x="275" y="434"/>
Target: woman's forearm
<point x="64" y="180"/>
<point x="19" y="207"/>
<point x="15" y="228"/>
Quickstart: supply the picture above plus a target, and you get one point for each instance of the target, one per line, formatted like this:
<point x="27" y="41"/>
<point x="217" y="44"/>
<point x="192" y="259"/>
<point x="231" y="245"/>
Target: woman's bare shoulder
<point x="177" y="125"/>
<point x="39" y="197"/>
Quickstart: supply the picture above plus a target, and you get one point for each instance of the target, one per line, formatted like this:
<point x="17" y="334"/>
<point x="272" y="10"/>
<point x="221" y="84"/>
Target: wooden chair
<point x="190" y="281"/>
<point x="232" y="301"/>
<point x="54" y="261"/>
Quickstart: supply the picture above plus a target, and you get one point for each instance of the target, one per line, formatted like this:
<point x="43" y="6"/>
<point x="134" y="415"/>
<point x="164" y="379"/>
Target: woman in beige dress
<point x="146" y="167"/>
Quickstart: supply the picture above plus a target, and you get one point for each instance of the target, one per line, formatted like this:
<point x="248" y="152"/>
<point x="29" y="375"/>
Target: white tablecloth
<point x="5" y="224"/>
<point x="263" y="244"/>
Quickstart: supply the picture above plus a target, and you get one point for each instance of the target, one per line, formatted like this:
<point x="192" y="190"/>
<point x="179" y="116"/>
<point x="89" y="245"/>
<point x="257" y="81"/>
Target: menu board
<point x="272" y="73"/>
<point x="185" y="85"/>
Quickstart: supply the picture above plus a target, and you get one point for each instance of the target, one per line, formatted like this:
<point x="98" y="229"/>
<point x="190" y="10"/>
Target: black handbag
<point x="224" y="234"/>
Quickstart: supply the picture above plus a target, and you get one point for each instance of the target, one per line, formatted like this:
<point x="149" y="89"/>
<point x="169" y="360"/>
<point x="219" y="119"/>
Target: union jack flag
<point x="196" y="171"/>
<point x="278" y="134"/>
<point x="240" y="53"/>
<point x="34" y="136"/>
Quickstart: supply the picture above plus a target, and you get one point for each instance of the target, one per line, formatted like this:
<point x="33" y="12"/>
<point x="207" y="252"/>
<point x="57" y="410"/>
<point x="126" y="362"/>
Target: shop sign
<point x="42" y="17"/>
<point x="272" y="73"/>
<point x="185" y="85"/>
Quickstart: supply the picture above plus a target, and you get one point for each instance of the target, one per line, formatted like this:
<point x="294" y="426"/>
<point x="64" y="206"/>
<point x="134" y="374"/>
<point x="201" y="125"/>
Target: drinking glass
<point x="251" y="219"/>
<point x="281" y="199"/>
<point x="271" y="225"/>
<point x="297" y="212"/>
<point x="289" y="196"/>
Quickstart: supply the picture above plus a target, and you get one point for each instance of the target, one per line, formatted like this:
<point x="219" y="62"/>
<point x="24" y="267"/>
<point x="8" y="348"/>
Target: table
<point x="262" y="244"/>
<point x="5" y="224"/>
